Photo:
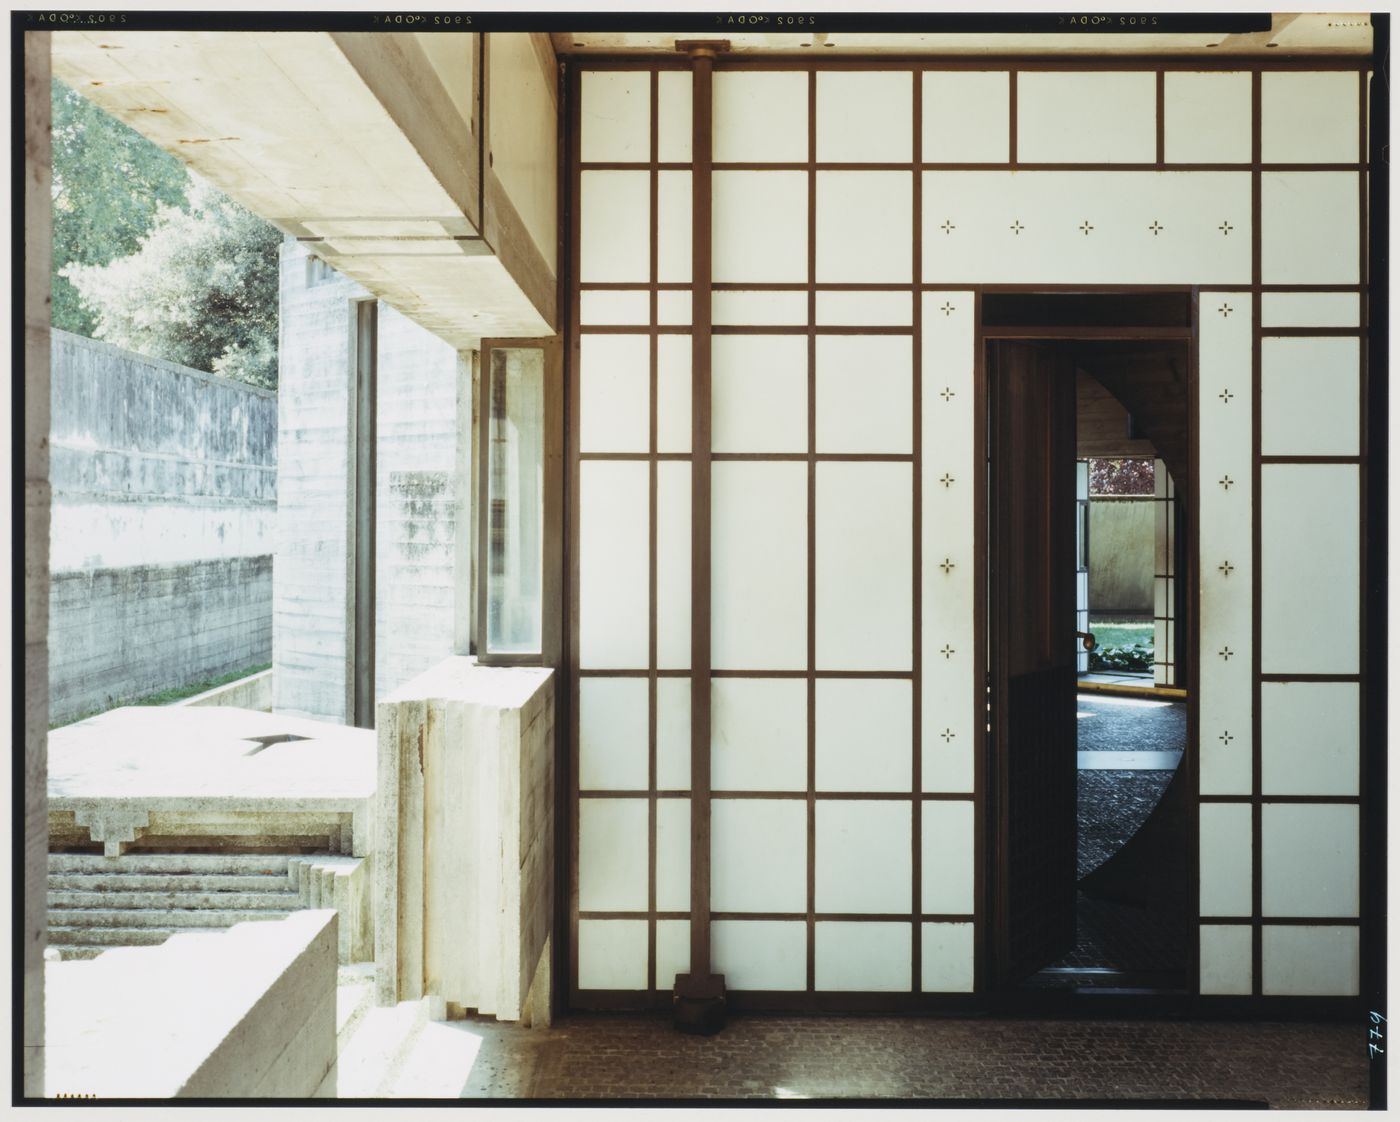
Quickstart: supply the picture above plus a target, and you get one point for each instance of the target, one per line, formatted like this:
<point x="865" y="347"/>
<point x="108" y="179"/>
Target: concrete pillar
<point x="38" y="230"/>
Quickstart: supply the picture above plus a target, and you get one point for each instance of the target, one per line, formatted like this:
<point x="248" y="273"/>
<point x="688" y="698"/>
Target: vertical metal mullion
<point x="917" y="566"/>
<point x="811" y="531"/>
<point x="1256" y="656"/>
<point x="365" y="465"/>
<point x="701" y="279"/>
<point x="652" y="980"/>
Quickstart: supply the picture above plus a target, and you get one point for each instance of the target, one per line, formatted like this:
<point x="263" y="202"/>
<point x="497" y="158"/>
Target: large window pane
<point x="515" y="496"/>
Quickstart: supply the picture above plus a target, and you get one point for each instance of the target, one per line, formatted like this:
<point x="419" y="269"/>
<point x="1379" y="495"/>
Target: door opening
<point x="1090" y="854"/>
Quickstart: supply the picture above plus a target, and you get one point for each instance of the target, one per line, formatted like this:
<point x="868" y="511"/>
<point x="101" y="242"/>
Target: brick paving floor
<point x="769" y="1057"/>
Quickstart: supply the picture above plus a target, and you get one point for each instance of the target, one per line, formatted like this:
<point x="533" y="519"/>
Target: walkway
<point x="802" y="1057"/>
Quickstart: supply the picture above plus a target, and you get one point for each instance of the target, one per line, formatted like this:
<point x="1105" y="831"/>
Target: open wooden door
<point x="1031" y="561"/>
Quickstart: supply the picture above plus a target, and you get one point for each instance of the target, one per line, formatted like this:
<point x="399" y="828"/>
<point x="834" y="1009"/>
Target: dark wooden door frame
<point x="987" y="933"/>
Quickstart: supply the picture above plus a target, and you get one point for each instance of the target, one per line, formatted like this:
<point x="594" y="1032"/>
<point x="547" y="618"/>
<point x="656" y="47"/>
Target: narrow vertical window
<point x="515" y="465"/>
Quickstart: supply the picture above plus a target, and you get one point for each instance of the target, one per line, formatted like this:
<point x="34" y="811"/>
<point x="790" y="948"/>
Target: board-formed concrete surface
<point x="119" y="774"/>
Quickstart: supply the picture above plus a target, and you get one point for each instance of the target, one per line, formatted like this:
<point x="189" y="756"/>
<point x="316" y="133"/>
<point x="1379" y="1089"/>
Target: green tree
<point x="201" y="290"/>
<point x="108" y="181"/>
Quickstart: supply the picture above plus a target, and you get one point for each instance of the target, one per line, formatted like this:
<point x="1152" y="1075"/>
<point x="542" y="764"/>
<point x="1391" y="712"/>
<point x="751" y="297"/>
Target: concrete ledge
<point x="250" y="1012"/>
<point x="253" y="692"/>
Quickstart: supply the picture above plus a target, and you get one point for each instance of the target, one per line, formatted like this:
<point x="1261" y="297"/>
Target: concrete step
<point x="168" y="882"/>
<point x="352" y="1002"/>
<point x="370" y="1061"/>
<point x="88" y="918"/>
<point x="192" y="897"/>
<point x="107" y="937"/>
<point x="437" y="1063"/>
<point x="241" y="864"/>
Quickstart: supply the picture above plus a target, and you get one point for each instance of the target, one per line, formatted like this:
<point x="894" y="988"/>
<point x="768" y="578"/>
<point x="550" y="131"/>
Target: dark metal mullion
<point x="702" y="152"/>
<point x="811" y="839"/>
<point x="653" y="982"/>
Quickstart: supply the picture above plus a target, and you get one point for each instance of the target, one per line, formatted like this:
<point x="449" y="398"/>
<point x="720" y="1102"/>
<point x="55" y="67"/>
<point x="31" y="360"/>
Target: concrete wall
<point x="38" y="248"/>
<point x="418" y="494"/>
<point x="165" y="488"/>
<point x="1121" y="553"/>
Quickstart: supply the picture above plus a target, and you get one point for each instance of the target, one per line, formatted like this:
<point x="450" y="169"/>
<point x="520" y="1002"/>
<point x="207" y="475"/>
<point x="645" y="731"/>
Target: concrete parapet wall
<point x="1121" y="551"/>
<point x="464" y="869"/>
<point x="164" y="500"/>
<point x="120" y="634"/>
<point x="252" y="692"/>
<point x="245" y="1013"/>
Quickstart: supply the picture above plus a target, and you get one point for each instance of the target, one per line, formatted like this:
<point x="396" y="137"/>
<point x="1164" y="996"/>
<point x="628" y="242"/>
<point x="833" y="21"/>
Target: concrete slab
<point x="1128" y="761"/>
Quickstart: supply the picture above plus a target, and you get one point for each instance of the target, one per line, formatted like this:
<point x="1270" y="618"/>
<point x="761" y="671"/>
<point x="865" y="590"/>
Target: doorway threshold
<point x="1125" y="687"/>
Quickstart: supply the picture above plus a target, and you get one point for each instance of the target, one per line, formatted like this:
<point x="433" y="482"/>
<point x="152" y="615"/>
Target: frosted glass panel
<point x="1312" y="961"/>
<point x="673" y="392"/>
<point x="865" y="225"/>
<point x="612" y="954"/>
<point x="1310" y="117"/>
<point x="1226" y="514"/>
<point x="759" y="566"/>
<point x="674" y="116"/>
<point x="674" y="232"/>
<point x="758" y="734"/>
<point x="1310" y="859"/>
<point x="1227" y="849"/>
<point x="613" y="582"/>
<point x="673" y="308"/>
<point x="865" y="117"/>
<point x="615" y="226"/>
<point x="1052" y="109"/>
<point x="1311" y="737"/>
<point x="673" y="855"/>
<point x="1002" y="227"/>
<point x="864" y="559"/>
<point x="615" y="121"/>
<point x="614" y="393"/>
<point x="863" y="956"/>
<point x="865" y="735"/>
<point x="613" y="307"/>
<point x="760" y="226"/>
<point x="865" y="309"/>
<point x="865" y="393"/>
<point x="760" y="117"/>
<point x="1207" y="117"/>
<point x="673" y="734"/>
<point x="760" y="954"/>
<point x="947" y="957"/>
<point x="949" y="598"/>
<point x="612" y="855"/>
<point x="1227" y="959"/>
<point x="1310" y="227"/>
<point x="1310" y="397"/>
<point x="672" y="951"/>
<point x="1309" y="571"/>
<point x="1311" y="309"/>
<point x="758" y="855"/>
<point x="864" y="856"/>
<point x="673" y="606"/>
<point x="949" y="848"/>
<point x="758" y="393"/>
<point x="612" y="734"/>
<point x="759" y="309"/>
<point x="966" y="116"/>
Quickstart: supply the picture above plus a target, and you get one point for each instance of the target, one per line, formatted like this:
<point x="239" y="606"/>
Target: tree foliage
<point x="153" y="259"/>
<point x="108" y="181"/>
<point x="1122" y="477"/>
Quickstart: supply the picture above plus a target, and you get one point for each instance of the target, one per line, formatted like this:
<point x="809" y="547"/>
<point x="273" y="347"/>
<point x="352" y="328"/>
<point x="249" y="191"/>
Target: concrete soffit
<point x="348" y="142"/>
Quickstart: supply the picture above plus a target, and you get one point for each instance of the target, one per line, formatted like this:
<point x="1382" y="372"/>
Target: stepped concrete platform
<point x="247" y="1012"/>
<point x="96" y="903"/>
<point x="182" y="777"/>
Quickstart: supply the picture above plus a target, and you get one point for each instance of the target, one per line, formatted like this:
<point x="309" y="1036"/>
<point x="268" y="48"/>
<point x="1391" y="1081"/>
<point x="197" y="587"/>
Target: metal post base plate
<point x="699" y="1004"/>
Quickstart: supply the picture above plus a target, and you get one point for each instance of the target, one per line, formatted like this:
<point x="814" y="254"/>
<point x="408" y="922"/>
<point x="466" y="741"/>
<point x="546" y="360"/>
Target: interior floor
<point x="1128" y="751"/>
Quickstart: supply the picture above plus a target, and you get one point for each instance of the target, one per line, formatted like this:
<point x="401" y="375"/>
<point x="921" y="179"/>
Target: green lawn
<point x="1122" y="634"/>
<point x="166" y="697"/>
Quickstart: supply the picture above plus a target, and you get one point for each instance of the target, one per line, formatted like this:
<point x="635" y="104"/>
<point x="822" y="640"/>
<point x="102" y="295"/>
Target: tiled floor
<point x="769" y="1058"/>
